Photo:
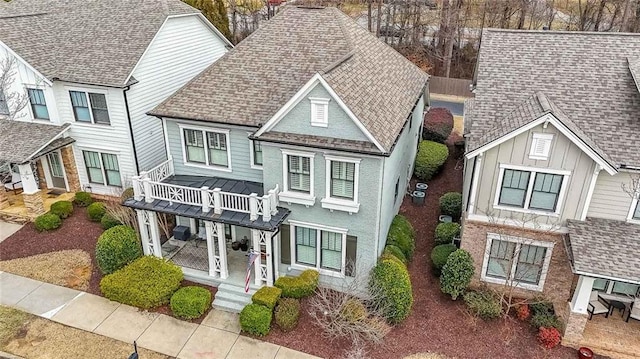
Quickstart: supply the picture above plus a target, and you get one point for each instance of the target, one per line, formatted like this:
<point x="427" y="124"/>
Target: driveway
<point x="7" y="229"/>
<point x="456" y="108"/>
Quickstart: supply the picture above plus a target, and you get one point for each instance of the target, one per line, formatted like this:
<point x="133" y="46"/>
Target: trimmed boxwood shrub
<point x="402" y="235"/>
<point x="451" y="205"/>
<point x="353" y="311"/>
<point x="438" y="124"/>
<point x="431" y="156"/>
<point x="541" y="306"/>
<point x="446" y="232"/>
<point x="393" y="250"/>
<point x="96" y="211"/>
<point x="483" y="304"/>
<point x="256" y="319"/>
<point x="439" y="256"/>
<point x="83" y="199"/>
<point x="546" y="320"/>
<point x="391" y="257"/>
<point x="62" y="209"/>
<point x="47" y="222"/>
<point x="287" y="313"/>
<point x="390" y="285"/>
<point x="108" y="221"/>
<point x="117" y="247"/>
<point x="145" y="283"/>
<point x="299" y="287"/>
<point x="190" y="302"/>
<point x="456" y="273"/>
<point x="267" y="296"/>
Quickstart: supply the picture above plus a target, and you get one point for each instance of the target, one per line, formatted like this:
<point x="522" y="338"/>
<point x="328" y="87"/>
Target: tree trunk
<point x="378" y="18"/>
<point x="369" y="27"/>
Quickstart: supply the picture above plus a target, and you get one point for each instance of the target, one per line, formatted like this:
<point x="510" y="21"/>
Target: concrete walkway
<point x="7" y="229"/>
<point x="217" y="336"/>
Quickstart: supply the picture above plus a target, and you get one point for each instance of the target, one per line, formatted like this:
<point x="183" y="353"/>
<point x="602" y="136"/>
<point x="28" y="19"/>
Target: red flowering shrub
<point x="523" y="312"/>
<point x="549" y="337"/>
<point x="438" y="124"/>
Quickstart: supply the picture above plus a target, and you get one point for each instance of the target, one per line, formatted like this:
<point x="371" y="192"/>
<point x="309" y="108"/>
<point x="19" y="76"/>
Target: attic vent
<point x="540" y="146"/>
<point x="319" y="112"/>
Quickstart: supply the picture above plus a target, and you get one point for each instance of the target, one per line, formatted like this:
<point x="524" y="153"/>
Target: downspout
<point x="133" y="143"/>
<point x="378" y="210"/>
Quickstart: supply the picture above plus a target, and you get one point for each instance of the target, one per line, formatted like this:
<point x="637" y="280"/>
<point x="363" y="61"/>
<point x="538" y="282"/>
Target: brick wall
<point x="70" y="169"/>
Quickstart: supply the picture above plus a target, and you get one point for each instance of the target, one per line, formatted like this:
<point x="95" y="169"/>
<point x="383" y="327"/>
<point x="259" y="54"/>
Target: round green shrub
<point x="47" y="222"/>
<point x="353" y="311"/>
<point x="117" y="247"/>
<point x="438" y="124"/>
<point x="287" y="313"/>
<point x="388" y="256"/>
<point x="431" y="156"/>
<point x="402" y="235"/>
<point x="190" y="302"/>
<point x="256" y="319"/>
<point x="390" y="288"/>
<point x="83" y="199"/>
<point x="451" y="205"/>
<point x="396" y="252"/>
<point x="95" y="211"/>
<point x="439" y="256"/>
<point x="299" y="287"/>
<point x="446" y="232"/>
<point x="108" y="221"/>
<point x="456" y="273"/>
<point x="145" y="283"/>
<point x="267" y="296"/>
<point x="483" y="304"/>
<point x="62" y="209"/>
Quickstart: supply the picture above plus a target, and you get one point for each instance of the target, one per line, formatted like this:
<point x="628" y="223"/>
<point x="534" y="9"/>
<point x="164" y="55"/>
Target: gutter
<point x="133" y="142"/>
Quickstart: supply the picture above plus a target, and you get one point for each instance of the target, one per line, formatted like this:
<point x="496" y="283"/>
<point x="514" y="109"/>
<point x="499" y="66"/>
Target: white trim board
<point x="14" y="54"/>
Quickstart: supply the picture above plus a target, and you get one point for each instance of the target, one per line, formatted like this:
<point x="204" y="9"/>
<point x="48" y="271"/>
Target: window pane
<point x="636" y="214"/>
<point x="342" y="179"/>
<point x="331" y="250"/>
<point x="299" y="173"/>
<point x="514" y="187"/>
<point x="257" y="153"/>
<point x="38" y="104"/>
<point x="194" y="146"/>
<point x="217" y="143"/>
<point x="111" y="169"/>
<point x="500" y="259"/>
<point x="306" y="245"/>
<point x="94" y="168"/>
<point x="99" y="108"/>
<point x="546" y="190"/>
<point x="625" y="288"/>
<point x="80" y="106"/>
<point x="600" y="284"/>
<point x="530" y="263"/>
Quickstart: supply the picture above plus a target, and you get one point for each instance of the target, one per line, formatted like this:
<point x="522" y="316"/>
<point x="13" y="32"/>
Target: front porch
<point x="612" y="336"/>
<point x="17" y="210"/>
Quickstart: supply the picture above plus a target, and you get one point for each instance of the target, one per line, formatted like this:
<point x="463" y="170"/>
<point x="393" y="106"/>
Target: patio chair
<point x="596" y="306"/>
<point x="634" y="312"/>
<point x="13" y="183"/>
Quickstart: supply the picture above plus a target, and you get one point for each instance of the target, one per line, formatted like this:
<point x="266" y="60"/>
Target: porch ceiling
<point x="21" y="140"/>
<point x="605" y="248"/>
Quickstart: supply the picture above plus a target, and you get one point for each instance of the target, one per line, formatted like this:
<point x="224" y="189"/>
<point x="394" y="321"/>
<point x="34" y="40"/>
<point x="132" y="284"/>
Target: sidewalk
<point x="217" y="336"/>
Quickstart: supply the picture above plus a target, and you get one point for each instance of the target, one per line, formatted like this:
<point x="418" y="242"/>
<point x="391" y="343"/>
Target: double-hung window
<point x="634" y="212"/>
<point x="217" y="145"/>
<point x="299" y="173"/>
<point x="256" y="153"/>
<point x="90" y="107"/>
<point x="206" y="147"/>
<point x="534" y="190"/>
<point x="319" y="248"/>
<point x="343" y="179"/>
<point x="38" y="104"/>
<point x="102" y="168"/>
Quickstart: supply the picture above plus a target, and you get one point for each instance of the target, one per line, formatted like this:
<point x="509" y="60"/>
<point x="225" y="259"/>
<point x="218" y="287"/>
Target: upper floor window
<point x="102" y="168"/>
<point x="299" y="173"/>
<point x="256" y="153"/>
<point x="212" y="152"/>
<point x="4" y="106"/>
<point x="319" y="112"/>
<point x="636" y="212"/>
<point x="38" y="104"/>
<point x="540" y="146"/>
<point x="530" y="190"/>
<point x="91" y="107"/>
<point x="342" y="177"/>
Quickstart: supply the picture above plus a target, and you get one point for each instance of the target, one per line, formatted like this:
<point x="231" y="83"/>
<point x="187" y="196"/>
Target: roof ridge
<point x="350" y="46"/>
<point x="543" y="100"/>
<point x="563" y="32"/>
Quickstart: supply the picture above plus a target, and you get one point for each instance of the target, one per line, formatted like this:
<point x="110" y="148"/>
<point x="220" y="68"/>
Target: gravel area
<point x="68" y="268"/>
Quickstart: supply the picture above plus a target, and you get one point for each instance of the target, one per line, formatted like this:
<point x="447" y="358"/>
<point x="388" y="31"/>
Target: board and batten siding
<point x="182" y="48"/>
<point x="238" y="145"/>
<point x="564" y="155"/>
<point x="609" y="198"/>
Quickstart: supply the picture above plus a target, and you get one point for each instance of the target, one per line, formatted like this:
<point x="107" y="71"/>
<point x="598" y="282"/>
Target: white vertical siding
<point x="183" y="47"/>
<point x="609" y="199"/>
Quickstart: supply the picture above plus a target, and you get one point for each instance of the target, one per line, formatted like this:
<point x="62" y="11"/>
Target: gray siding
<point x="609" y="200"/>
<point x="239" y="147"/>
<point x="564" y="155"/>
<point x="298" y="119"/>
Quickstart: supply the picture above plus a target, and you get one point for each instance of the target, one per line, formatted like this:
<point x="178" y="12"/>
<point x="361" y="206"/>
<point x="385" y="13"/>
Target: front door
<point x="55" y="170"/>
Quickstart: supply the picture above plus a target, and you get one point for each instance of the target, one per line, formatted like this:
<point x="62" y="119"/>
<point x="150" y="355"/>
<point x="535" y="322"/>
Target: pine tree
<point x="215" y="12"/>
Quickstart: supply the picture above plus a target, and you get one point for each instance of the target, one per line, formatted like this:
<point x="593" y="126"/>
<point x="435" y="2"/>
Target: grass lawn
<point x="68" y="268"/>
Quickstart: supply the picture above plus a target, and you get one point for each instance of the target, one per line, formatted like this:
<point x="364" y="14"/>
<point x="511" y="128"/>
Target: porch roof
<point x="606" y="248"/>
<point x="23" y="141"/>
<point x="225" y="184"/>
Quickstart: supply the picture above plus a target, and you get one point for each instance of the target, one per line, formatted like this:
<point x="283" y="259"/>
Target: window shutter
<point x="285" y="244"/>
<point x="350" y="265"/>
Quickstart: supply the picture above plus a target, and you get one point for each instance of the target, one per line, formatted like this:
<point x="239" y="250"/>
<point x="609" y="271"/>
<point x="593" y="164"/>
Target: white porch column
<point x="29" y="184"/>
<point x="275" y="249"/>
<point x="257" y="264"/>
<point x="143" y="225"/>
<point x="214" y="261"/>
<point x="149" y="233"/>
<point x="582" y="294"/>
<point x="222" y="250"/>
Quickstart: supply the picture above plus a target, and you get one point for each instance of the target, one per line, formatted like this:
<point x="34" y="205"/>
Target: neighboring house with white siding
<point x="100" y="66"/>
<point x="552" y="171"/>
<point x="305" y="157"/>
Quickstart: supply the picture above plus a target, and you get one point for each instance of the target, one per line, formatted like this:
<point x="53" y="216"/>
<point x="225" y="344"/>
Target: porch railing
<point x="148" y="187"/>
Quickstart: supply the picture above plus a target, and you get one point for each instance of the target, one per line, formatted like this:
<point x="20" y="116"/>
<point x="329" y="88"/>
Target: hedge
<point x="439" y="256"/>
<point x="299" y="287"/>
<point x="95" y="211"/>
<point x="267" y="296"/>
<point x="431" y="156"/>
<point x="108" y="221"/>
<point x="256" y="319"/>
<point x="287" y="313"/>
<point x="483" y="304"/>
<point x="190" y="302"/>
<point x="117" y="247"/>
<point x="390" y="286"/>
<point x="145" y="283"/>
<point x="47" y="222"/>
<point x="83" y="199"/>
<point x="456" y="273"/>
<point x="438" y="124"/>
<point x="446" y="232"/>
<point x="402" y="235"/>
<point x="62" y="209"/>
<point x="393" y="250"/>
<point x="451" y="205"/>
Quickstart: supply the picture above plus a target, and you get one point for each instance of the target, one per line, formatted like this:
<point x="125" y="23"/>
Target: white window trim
<point x="534" y="171"/>
<point x="543" y="137"/>
<point x="318" y="227"/>
<point x="251" y="156"/>
<point x="341" y="204"/>
<point x="519" y="241"/>
<point x="319" y="102"/>
<point x="206" y="151"/>
<point x="634" y="205"/>
<point x="104" y="172"/>
<point x="28" y="87"/>
<point x="86" y="95"/>
<point x="296" y="197"/>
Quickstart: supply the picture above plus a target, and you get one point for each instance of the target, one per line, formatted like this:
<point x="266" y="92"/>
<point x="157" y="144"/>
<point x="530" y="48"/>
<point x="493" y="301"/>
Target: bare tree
<point x="12" y="102"/>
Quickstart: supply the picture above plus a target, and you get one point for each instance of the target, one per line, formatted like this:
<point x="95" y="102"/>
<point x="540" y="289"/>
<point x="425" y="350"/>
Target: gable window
<point x="319" y="247"/>
<point x="540" y="146"/>
<point x="319" y="112"/>
<point x="208" y="148"/>
<point x="38" y="104"/>
<point x="4" y="106"/>
<point x="530" y="189"/>
<point x="256" y="152"/>
<point x="91" y="107"/>
<point x="102" y="168"/>
<point x="634" y="211"/>
<point x="297" y="175"/>
<point x="342" y="177"/>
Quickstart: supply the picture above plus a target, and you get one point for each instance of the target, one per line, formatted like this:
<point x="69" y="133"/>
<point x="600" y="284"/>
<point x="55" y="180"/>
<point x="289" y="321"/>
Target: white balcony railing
<point x="148" y="187"/>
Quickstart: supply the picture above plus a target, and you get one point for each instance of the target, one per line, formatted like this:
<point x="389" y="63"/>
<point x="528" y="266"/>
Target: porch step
<point x="232" y="298"/>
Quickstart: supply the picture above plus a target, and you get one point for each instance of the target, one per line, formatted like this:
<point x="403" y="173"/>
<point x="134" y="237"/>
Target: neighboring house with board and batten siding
<point x="93" y="69"/>
<point x="552" y="172"/>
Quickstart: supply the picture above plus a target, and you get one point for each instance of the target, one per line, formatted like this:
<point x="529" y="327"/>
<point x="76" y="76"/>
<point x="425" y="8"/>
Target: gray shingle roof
<point x="606" y="248"/>
<point x="253" y="81"/>
<point x="84" y="41"/>
<point x="320" y="142"/>
<point x="586" y="76"/>
<point x="634" y="67"/>
<point x="20" y="140"/>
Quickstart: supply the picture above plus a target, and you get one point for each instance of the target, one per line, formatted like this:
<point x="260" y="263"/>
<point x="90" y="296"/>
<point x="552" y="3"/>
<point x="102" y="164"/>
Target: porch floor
<point x="612" y="336"/>
<point x="17" y="208"/>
